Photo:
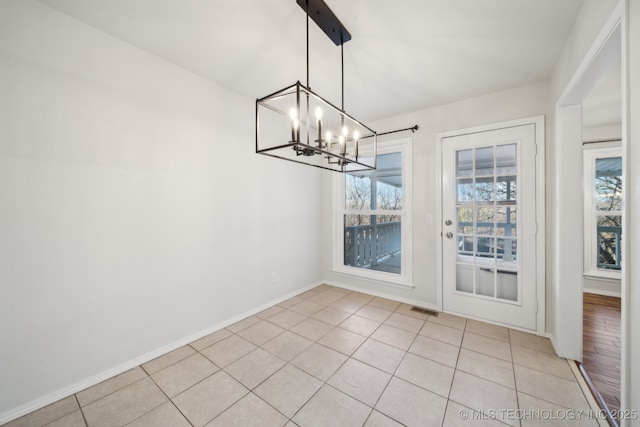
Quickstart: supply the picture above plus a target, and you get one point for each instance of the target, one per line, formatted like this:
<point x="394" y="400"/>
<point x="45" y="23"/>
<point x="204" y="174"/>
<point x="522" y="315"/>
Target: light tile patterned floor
<point x="331" y="357"/>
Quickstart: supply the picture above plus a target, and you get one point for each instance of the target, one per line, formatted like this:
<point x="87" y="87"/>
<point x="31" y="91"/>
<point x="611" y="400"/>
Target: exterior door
<point x="489" y="226"/>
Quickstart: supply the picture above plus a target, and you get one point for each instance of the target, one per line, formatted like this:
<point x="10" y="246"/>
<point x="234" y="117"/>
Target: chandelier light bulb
<point x="345" y="131"/>
<point x="356" y="135"/>
<point x="319" y="113"/>
<point x="293" y="113"/>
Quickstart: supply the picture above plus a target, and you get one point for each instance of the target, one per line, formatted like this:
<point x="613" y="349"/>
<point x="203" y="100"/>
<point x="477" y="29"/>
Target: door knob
<point x="448" y="222"/>
<point x="449" y="235"/>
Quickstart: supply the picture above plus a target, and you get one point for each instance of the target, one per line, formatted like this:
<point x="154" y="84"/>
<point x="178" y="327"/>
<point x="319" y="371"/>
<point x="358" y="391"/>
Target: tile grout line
<point x="453" y="377"/>
<point x="157" y="406"/>
<point x="393" y="375"/>
<point x="324" y="383"/>
<point x="513" y="370"/>
<point x="86" y="423"/>
<point x="114" y="391"/>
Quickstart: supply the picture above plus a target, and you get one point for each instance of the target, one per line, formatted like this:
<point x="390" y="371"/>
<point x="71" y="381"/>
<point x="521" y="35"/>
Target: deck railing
<point x="365" y="245"/>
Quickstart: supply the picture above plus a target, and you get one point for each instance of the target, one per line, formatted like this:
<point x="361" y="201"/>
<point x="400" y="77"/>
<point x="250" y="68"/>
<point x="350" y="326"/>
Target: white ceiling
<point x="404" y="55"/>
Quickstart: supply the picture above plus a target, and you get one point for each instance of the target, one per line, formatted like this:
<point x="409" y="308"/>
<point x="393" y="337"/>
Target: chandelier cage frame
<point x="290" y="122"/>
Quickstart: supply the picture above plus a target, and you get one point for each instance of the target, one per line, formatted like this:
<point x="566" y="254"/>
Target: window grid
<point x="603" y="212"/>
<point x="486" y="232"/>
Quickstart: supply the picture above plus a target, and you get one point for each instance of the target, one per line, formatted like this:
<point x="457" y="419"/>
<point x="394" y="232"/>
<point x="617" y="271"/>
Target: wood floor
<point x="602" y="346"/>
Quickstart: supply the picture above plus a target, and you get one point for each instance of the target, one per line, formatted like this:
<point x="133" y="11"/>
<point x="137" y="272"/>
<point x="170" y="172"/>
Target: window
<point x="603" y="212"/>
<point x="372" y="222"/>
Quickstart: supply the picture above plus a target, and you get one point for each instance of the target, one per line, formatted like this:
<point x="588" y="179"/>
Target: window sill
<point x="389" y="279"/>
<point x="606" y="277"/>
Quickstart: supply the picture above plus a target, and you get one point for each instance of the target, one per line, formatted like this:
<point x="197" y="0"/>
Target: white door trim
<point x="539" y="124"/>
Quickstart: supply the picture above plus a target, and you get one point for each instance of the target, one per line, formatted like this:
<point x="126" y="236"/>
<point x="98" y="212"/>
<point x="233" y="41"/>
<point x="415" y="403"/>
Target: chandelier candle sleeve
<point x="292" y="116"/>
<point x="319" y="118"/>
<point x="356" y="136"/>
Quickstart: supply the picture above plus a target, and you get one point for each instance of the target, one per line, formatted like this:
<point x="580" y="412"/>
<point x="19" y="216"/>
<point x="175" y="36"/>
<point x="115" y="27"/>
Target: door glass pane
<point x="484" y="161"/>
<point x="464" y="278"/>
<point x="507" y="251"/>
<point x="506" y="189"/>
<point x="506" y="159"/>
<point x="485" y="277"/>
<point x="507" y="285"/>
<point x="464" y="163"/>
<point x="465" y="220"/>
<point x="465" y="247"/>
<point x="485" y="247"/>
<point x="506" y="221"/>
<point x="465" y="190"/>
<point x="484" y="190"/>
<point x="484" y="220"/>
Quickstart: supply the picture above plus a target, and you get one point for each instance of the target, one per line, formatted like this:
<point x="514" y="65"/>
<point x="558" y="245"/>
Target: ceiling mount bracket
<point x="326" y="20"/>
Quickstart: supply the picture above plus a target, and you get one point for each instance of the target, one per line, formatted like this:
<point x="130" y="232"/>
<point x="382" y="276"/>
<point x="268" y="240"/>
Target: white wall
<point x="497" y="107"/>
<point x="598" y="286"/>
<point x="134" y="212"/>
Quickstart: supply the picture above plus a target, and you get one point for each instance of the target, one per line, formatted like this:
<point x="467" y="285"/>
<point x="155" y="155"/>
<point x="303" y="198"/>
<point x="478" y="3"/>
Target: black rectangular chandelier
<point x="299" y="125"/>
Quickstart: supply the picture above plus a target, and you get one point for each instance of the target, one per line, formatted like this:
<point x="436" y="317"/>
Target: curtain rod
<point x="412" y="129"/>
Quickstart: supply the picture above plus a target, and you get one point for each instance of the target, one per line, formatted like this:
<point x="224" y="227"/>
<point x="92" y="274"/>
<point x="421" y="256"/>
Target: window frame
<point x="590" y="246"/>
<point x="404" y="279"/>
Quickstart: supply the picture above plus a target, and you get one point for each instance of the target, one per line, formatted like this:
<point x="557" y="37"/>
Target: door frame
<point x="607" y="49"/>
<point x="539" y="138"/>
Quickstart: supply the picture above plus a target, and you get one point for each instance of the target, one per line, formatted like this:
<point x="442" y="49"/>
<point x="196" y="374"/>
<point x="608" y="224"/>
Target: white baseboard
<point x="48" y="399"/>
<point x="602" y="292"/>
<point x="410" y="301"/>
<point x="554" y="344"/>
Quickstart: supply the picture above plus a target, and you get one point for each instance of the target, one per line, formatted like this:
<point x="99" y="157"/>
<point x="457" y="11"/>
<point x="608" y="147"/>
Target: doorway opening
<point x="603" y="236"/>
<point x="595" y="269"/>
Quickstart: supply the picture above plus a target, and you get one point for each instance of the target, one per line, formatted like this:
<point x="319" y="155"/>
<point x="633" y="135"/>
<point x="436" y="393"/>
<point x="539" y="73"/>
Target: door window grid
<point x="486" y="232"/>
